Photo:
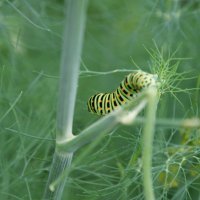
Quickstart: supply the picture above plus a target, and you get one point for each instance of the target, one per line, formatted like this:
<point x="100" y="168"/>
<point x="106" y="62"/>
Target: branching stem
<point x="69" y="73"/>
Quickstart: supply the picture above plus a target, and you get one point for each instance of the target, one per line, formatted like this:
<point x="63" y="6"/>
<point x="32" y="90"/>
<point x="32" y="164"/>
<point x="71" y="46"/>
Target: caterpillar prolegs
<point x="104" y="103"/>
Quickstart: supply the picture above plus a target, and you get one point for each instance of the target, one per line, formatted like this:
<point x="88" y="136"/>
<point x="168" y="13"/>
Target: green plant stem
<point x="60" y="162"/>
<point x="77" y="162"/>
<point x="172" y="123"/>
<point x="11" y="106"/>
<point x="147" y="145"/>
<point x="69" y="73"/>
<point x="69" y="69"/>
<point x="105" y="124"/>
<point x="96" y="131"/>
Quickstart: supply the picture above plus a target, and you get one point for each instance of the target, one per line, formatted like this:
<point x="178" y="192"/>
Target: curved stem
<point x="148" y="136"/>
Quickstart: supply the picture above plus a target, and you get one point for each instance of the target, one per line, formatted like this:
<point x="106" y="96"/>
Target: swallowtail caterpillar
<point x="133" y="83"/>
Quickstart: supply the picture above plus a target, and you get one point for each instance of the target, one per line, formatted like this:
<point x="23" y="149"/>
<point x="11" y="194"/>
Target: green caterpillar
<point x="104" y="103"/>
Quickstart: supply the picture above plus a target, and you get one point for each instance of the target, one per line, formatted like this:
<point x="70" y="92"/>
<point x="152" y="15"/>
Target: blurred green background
<point x="117" y="32"/>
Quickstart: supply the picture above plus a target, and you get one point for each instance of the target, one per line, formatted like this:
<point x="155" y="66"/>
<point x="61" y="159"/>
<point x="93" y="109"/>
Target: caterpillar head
<point x="144" y="80"/>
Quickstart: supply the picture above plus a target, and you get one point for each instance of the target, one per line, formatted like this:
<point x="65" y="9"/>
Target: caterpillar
<point x="133" y="83"/>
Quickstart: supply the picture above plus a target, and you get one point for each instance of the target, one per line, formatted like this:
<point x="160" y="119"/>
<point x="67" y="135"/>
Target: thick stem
<point x="70" y="62"/>
<point x="69" y="72"/>
<point x="60" y="162"/>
